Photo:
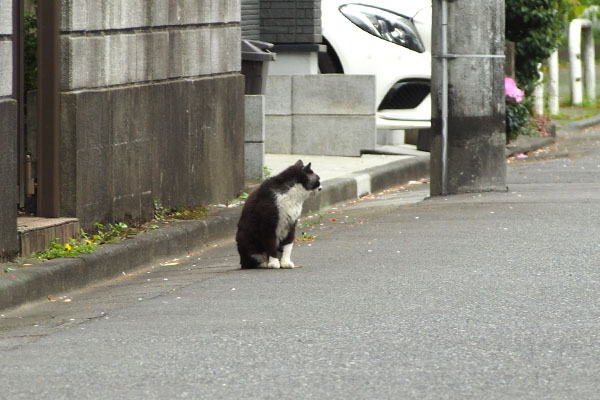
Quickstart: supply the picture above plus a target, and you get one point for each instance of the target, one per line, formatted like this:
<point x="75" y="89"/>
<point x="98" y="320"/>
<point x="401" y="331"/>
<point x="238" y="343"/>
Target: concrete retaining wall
<point x="151" y="106"/>
<point x="182" y="148"/>
<point x="320" y="114"/>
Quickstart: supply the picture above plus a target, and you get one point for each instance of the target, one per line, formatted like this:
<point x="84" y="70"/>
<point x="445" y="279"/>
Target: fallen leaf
<point x="171" y="264"/>
<point x="50" y="297"/>
<point x="333" y="219"/>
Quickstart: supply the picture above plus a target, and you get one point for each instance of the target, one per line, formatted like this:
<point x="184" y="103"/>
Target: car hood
<point x="407" y="8"/>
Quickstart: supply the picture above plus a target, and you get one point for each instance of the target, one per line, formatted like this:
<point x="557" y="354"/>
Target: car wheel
<point x="329" y="62"/>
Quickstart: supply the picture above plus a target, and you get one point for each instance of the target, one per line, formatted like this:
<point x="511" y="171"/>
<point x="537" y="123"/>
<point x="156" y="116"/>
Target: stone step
<point x="35" y="233"/>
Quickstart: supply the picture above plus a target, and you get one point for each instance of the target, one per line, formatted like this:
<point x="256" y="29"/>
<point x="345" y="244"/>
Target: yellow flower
<point x="67" y="246"/>
<point x="88" y="241"/>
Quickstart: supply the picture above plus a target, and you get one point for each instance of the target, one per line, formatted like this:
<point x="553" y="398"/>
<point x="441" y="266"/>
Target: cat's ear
<point x="299" y="164"/>
<point x="308" y="166"/>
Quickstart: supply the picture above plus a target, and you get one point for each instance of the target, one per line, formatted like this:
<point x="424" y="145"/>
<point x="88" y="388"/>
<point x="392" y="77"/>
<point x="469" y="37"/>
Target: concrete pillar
<point x="509" y="61"/>
<point x="538" y="92"/>
<point x="576" y="28"/>
<point x="589" y="64"/>
<point x="254" y="136"/>
<point x="475" y="125"/>
<point x="553" y="83"/>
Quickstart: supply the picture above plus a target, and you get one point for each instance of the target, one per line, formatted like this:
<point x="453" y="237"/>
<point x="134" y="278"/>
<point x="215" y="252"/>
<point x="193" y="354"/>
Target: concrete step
<point x="35" y="233"/>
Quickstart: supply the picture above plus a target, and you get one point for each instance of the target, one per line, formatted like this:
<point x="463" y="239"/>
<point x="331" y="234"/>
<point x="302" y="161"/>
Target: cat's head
<point x="307" y="177"/>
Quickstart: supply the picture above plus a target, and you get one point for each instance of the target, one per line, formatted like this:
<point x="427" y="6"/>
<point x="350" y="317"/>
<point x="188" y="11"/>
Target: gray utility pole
<point x="468" y="133"/>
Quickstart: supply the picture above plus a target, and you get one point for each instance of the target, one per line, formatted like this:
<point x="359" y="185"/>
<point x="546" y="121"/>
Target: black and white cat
<point x="267" y="226"/>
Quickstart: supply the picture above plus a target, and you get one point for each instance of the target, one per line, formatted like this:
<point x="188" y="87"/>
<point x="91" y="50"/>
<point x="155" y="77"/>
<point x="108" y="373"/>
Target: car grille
<point x="405" y="95"/>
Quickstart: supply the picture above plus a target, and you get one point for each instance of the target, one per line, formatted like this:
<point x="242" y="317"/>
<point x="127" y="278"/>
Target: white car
<point x="390" y="39"/>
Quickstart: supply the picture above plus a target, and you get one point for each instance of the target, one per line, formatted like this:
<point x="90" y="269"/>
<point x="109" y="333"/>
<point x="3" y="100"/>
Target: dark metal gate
<point x="47" y="110"/>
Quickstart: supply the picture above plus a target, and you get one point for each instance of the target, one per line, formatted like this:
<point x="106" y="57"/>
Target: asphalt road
<point x="484" y="296"/>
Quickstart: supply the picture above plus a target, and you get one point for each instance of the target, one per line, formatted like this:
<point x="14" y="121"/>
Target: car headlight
<point x="384" y="24"/>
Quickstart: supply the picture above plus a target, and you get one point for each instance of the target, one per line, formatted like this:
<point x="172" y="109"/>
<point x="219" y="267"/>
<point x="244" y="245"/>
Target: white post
<point x="538" y="93"/>
<point x="589" y="73"/>
<point x="575" y="62"/>
<point x="553" y="83"/>
<point x="575" y="28"/>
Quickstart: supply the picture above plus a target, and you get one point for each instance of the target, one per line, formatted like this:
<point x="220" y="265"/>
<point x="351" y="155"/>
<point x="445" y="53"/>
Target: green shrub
<point x="536" y="27"/>
<point x="517" y="120"/>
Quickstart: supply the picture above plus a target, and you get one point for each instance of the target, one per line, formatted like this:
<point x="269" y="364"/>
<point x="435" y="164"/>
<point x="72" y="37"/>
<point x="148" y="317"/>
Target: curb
<point x="582" y="124"/>
<point x="531" y="144"/>
<point x="183" y="237"/>
<point x="370" y="180"/>
<point x="528" y="144"/>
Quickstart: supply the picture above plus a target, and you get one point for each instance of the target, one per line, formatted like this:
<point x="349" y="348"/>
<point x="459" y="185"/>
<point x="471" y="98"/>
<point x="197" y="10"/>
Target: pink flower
<point x="511" y="90"/>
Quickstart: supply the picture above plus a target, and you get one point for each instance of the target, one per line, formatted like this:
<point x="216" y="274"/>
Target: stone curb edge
<point x="531" y="145"/>
<point x="109" y="261"/>
<point x="370" y="180"/>
<point x="536" y="143"/>
<point x="582" y="124"/>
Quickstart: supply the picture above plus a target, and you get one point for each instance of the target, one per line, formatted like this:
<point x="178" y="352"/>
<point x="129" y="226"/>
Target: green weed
<point x="109" y="233"/>
<point x="311" y="220"/>
<point x="306" y="237"/>
<point x="163" y="214"/>
<point x="72" y="249"/>
<point x="267" y="172"/>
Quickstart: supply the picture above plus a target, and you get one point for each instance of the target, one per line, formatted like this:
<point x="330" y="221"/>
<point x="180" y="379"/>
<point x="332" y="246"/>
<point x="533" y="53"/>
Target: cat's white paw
<point x="273" y="263"/>
<point x="287" y="264"/>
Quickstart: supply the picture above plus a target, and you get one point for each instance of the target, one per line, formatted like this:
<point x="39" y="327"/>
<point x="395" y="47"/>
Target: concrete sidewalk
<point x="343" y="179"/>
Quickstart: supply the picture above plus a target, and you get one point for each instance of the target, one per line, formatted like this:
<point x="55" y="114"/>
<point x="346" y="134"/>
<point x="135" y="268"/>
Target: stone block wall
<point x="320" y="114"/>
<point x="151" y="106"/>
<point x="290" y="21"/>
<point x="251" y="19"/>
<point x="130" y="41"/>
<point x="8" y="136"/>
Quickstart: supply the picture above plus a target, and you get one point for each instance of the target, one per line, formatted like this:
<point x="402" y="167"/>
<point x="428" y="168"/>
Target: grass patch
<point x="568" y="113"/>
<point x="163" y="214"/>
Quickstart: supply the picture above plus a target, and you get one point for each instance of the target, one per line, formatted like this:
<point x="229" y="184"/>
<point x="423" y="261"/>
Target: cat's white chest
<point x="289" y="205"/>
